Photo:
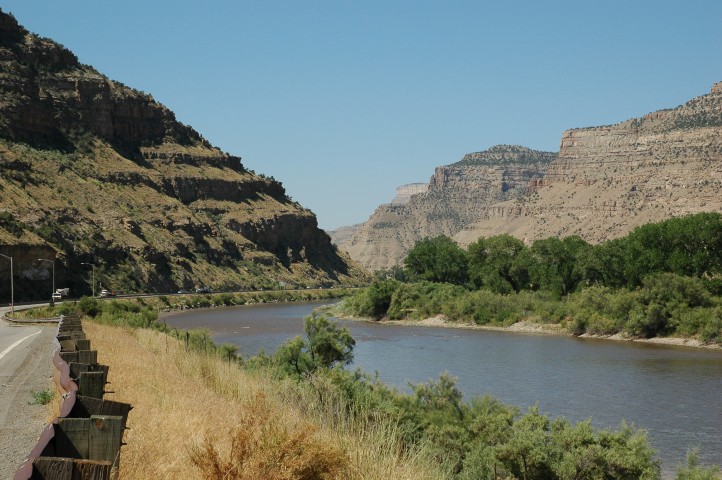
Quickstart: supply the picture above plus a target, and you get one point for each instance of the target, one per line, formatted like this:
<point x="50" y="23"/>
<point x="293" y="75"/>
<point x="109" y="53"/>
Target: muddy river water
<point x="675" y="393"/>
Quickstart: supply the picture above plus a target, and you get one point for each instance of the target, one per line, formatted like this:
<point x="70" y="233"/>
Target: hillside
<point x="96" y="172"/>
<point x="603" y="182"/>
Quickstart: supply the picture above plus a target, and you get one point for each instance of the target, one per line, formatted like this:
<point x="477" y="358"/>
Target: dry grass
<point x="263" y="446"/>
<point x="199" y="417"/>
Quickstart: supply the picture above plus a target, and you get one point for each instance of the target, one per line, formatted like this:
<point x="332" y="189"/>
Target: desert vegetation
<point x="663" y="279"/>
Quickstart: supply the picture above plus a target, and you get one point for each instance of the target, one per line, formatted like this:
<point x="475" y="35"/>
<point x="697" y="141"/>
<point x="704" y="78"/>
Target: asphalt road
<point x="26" y="366"/>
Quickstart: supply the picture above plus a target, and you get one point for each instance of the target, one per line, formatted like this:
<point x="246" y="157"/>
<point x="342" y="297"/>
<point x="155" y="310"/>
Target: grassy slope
<point x="185" y="403"/>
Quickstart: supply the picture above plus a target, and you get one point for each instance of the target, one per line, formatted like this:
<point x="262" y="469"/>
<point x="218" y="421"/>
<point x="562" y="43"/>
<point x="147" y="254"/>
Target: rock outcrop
<point x="405" y="192"/>
<point x="96" y="172"/>
<point x="603" y="183"/>
<point x="450" y="203"/>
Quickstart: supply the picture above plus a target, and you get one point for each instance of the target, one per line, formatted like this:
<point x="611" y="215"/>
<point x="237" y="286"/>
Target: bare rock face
<point x="450" y="203"/>
<point x="97" y="172"/>
<point x="405" y="192"/>
<point x="604" y="182"/>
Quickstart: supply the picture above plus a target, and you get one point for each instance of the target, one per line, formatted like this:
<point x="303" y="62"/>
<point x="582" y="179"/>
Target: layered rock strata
<point x="96" y="172"/>
<point x="451" y="202"/>
<point x="603" y="183"/>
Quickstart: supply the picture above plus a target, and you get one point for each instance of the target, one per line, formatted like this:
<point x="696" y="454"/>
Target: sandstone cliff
<point x="450" y="203"/>
<point x="604" y="182"/>
<point x="96" y="172"/>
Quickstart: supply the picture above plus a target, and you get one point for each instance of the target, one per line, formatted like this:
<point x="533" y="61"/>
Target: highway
<point x="26" y="366"/>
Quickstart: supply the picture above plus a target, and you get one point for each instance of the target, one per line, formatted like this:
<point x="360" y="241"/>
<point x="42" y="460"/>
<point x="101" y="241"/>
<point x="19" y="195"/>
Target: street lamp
<point x="93" y="281"/>
<point x="12" y="288"/>
<point x="53" y="262"/>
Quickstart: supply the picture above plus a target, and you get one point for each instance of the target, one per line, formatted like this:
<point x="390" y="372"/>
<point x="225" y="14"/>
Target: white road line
<point x="5" y="352"/>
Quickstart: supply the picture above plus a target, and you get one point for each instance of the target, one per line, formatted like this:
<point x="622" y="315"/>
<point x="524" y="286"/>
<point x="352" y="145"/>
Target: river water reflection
<point x="673" y="392"/>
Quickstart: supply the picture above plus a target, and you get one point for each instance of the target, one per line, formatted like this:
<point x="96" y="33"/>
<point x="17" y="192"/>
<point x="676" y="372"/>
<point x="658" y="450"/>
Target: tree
<point x="326" y="346"/>
<point x="690" y="246"/>
<point x="558" y="268"/>
<point x="379" y="296"/>
<point x="439" y="260"/>
<point x="500" y="263"/>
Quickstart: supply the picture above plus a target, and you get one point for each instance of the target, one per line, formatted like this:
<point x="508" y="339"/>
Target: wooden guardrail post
<point x="71" y="437"/>
<point x="91" y="470"/>
<point x="88" y="356"/>
<point x="91" y="384"/>
<point x="54" y="468"/>
<point x="86" y="407"/>
<point x="69" y="356"/>
<point x="85" y="443"/>
<point x="105" y="437"/>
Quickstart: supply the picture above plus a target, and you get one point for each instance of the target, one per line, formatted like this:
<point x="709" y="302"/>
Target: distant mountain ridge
<point x="96" y="172"/>
<point x="603" y="182"/>
<point x="449" y="204"/>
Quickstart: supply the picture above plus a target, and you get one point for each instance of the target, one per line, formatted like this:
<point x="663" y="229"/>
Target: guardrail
<point x="83" y="442"/>
<point x="25" y="321"/>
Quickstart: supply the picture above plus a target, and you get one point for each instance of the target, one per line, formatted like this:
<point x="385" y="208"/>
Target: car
<point x="104" y="293"/>
<point x="203" y="290"/>
<point x="181" y="291"/>
<point x="57" y="296"/>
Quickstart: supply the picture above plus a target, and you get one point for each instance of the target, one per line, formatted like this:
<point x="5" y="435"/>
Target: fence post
<point x="92" y="384"/>
<point x="71" y="437"/>
<point x="105" y="437"/>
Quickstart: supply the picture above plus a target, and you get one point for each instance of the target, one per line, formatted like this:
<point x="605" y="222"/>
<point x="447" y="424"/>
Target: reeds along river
<point x="673" y="392"/>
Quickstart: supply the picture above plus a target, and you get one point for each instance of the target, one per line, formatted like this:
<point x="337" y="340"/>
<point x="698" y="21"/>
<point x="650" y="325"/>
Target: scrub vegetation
<point x="663" y="279"/>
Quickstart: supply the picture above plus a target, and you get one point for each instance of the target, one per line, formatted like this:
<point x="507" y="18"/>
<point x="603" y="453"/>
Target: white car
<point x="104" y="293"/>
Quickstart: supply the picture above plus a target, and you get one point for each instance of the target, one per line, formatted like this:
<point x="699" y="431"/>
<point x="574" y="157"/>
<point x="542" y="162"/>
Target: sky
<point x="343" y="101"/>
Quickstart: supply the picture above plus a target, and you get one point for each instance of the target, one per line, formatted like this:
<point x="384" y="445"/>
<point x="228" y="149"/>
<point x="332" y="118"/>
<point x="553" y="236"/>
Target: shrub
<point x="692" y="470"/>
<point x="88" y="306"/>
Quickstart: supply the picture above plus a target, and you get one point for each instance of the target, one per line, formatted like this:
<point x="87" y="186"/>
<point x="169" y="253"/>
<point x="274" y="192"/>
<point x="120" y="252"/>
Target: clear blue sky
<point x="344" y="100"/>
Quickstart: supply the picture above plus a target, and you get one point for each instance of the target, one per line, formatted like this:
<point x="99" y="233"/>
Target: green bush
<point x="692" y="470"/>
<point x="88" y="306"/>
<point x="662" y="303"/>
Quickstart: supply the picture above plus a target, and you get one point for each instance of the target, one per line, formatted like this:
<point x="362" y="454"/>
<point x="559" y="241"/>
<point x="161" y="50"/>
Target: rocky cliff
<point x="96" y="172"/>
<point x="604" y="182"/>
<point x="405" y="192"/>
<point x="450" y="203"/>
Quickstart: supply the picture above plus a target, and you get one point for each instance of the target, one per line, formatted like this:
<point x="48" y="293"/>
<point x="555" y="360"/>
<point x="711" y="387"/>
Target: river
<point x="675" y="393"/>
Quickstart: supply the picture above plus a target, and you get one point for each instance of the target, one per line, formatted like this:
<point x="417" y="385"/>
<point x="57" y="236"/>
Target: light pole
<point x="93" y="278"/>
<point x="53" y="262"/>
<point x="12" y="286"/>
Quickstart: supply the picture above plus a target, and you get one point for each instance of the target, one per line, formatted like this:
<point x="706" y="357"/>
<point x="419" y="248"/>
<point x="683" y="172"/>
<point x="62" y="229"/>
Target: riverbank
<point x="530" y="328"/>
<point x="199" y="416"/>
<point x="538" y="366"/>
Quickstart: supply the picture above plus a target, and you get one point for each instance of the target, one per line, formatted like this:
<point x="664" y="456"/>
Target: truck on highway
<point x="61" y="293"/>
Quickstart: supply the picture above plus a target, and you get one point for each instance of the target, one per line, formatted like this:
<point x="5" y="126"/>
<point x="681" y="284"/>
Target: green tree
<point x="501" y="263"/>
<point x="378" y="297"/>
<point x="327" y="345"/>
<point x="690" y="246"/>
<point x="437" y="259"/>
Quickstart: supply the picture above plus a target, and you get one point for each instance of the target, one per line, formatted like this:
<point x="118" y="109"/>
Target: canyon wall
<point x="97" y="172"/>
<point x="451" y="202"/>
<point x="603" y="183"/>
